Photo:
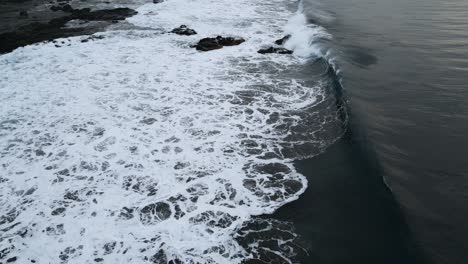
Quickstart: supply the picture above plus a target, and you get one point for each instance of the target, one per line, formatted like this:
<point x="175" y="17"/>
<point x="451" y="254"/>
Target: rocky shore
<point x="61" y="26"/>
<point x="56" y="28"/>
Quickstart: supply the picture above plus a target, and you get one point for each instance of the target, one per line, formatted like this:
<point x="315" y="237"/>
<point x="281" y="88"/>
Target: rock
<point x="275" y="50"/>
<point x="282" y="40"/>
<point x="184" y="30"/>
<point x="230" y="41"/>
<point x="208" y="44"/>
<point x="103" y="15"/>
<point x="55" y="28"/>
<point x="158" y="1"/>
<point x="64" y="7"/>
<point x="99" y="15"/>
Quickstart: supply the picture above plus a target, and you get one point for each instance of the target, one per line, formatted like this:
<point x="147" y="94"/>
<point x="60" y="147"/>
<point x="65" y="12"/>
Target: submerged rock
<point x="275" y="50"/>
<point x="208" y="44"/>
<point x="184" y="30"/>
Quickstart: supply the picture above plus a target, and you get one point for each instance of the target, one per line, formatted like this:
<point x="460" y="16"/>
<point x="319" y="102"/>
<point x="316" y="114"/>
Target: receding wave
<point x="136" y="148"/>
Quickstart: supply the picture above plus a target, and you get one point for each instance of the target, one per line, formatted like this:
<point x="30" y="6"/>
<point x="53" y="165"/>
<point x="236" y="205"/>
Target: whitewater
<point x="136" y="148"/>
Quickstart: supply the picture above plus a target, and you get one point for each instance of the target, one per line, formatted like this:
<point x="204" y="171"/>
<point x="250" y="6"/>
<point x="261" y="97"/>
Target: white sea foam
<point x="304" y="35"/>
<point x="136" y="148"/>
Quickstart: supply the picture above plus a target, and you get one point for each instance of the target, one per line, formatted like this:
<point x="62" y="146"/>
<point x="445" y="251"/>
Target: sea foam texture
<point x="136" y="148"/>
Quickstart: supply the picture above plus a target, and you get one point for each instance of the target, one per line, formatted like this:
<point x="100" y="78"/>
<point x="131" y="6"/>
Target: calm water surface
<point x="404" y="67"/>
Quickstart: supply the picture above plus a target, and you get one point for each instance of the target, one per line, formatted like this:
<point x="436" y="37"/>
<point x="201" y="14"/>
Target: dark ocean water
<point x="404" y="68"/>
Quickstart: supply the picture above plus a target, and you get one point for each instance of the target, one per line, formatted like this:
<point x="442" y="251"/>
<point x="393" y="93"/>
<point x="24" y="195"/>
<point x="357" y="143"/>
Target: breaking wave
<point x="134" y="147"/>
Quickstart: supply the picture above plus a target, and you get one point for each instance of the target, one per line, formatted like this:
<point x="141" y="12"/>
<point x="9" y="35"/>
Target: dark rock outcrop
<point x="103" y="15"/>
<point x="37" y="32"/>
<point x="208" y="44"/>
<point x="98" y="15"/>
<point x="64" y="7"/>
<point x="184" y="30"/>
<point x="282" y="40"/>
<point x="275" y="50"/>
<point x="230" y="41"/>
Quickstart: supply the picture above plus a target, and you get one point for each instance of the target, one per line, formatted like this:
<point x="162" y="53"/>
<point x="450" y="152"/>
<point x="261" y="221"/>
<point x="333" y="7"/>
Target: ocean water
<point x="136" y="148"/>
<point x="404" y="65"/>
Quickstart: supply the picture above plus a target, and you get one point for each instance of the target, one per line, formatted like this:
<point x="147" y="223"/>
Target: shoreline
<point x="348" y="214"/>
